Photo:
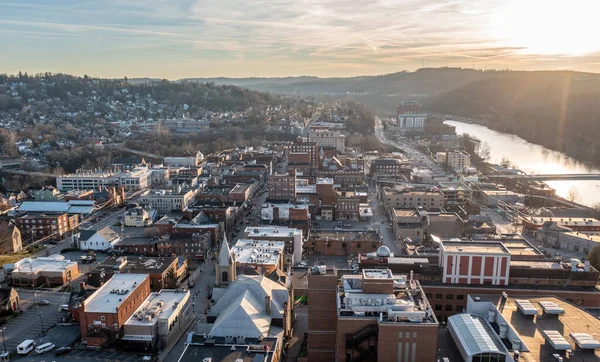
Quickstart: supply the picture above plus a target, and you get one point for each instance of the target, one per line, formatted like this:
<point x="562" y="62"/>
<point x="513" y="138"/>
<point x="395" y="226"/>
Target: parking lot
<point x="86" y="355"/>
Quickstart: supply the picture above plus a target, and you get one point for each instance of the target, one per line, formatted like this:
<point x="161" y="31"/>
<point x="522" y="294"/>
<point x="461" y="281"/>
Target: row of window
<point x="448" y="296"/>
<point x="449" y="308"/>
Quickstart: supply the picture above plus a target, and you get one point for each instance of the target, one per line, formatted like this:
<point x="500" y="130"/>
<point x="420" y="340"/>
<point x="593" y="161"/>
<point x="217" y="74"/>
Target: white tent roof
<point x="474" y="334"/>
<point x="243" y="317"/>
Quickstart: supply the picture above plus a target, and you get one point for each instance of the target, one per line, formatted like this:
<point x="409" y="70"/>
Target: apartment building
<point x="167" y="200"/>
<point x="411" y="117"/>
<point x="328" y="138"/>
<point x="162" y="270"/>
<point x="428" y="200"/>
<point x="282" y="187"/>
<point x="139" y="178"/>
<point x="51" y="226"/>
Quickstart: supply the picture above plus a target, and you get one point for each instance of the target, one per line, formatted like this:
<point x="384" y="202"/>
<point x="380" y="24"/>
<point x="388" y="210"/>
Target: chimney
<point x="268" y="304"/>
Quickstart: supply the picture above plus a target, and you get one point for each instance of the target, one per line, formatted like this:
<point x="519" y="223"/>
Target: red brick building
<point x="282" y="187"/>
<point x="102" y="314"/>
<point x="53" y="226"/>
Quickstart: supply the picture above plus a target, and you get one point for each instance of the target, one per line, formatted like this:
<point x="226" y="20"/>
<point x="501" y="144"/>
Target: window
<point x="438" y="307"/>
<point x="450" y="296"/>
<point x="102" y="318"/>
<point x="448" y="307"/>
<point x="460" y="296"/>
<point x="428" y="295"/>
<point x="439" y="296"/>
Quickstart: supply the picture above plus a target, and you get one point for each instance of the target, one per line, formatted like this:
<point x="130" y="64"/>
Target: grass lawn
<point x="12" y="258"/>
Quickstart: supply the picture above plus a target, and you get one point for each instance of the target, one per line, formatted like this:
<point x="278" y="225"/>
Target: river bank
<point x="583" y="157"/>
<point x="535" y="159"/>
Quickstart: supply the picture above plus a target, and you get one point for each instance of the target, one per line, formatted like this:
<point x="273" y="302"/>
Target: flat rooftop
<point x="405" y="213"/>
<point x="53" y="263"/>
<point x="137" y="263"/>
<point x="566" y="221"/>
<point x="474" y="247"/>
<point x="377" y="274"/>
<point x="158" y="305"/>
<point x="271" y="231"/>
<point x="345" y="235"/>
<point x="218" y="350"/>
<point x="530" y="329"/>
<point x="261" y="252"/>
<point x="517" y="246"/>
<point x="106" y="299"/>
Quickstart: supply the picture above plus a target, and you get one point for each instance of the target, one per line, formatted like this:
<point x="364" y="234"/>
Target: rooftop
<point x="204" y="349"/>
<point x="137" y="264"/>
<point x="52" y="263"/>
<point x="108" y="297"/>
<point x="568" y="222"/>
<point x="347" y="235"/>
<point x="158" y="305"/>
<point x="474" y="247"/>
<point x="530" y="329"/>
<point x="260" y="252"/>
<point x="271" y="231"/>
<point x="406" y="213"/>
<point x="377" y="274"/>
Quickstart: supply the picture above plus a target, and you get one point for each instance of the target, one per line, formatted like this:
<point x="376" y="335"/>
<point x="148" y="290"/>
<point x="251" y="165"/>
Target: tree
<point x="594" y="257"/>
<point x="573" y="194"/>
<point x="506" y="163"/>
<point x="482" y="150"/>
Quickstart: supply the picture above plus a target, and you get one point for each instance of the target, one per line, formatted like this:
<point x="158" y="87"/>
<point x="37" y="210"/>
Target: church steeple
<point x="225" y="253"/>
<point x="225" y="267"/>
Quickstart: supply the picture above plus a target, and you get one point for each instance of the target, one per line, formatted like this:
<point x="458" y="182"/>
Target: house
<point x="10" y="238"/>
<point x="140" y="217"/>
<point x="9" y="301"/>
<point x="102" y="239"/>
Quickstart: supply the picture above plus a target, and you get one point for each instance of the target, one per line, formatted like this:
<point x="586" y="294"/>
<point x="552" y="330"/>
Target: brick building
<point x="282" y="187"/>
<point x="103" y="314"/>
<point x="386" y="166"/>
<point x="52" y="226"/>
<point x="162" y="270"/>
<point x="303" y="152"/>
<point x="431" y="199"/>
<point x="374" y="316"/>
<point x="342" y="242"/>
<point x="50" y="271"/>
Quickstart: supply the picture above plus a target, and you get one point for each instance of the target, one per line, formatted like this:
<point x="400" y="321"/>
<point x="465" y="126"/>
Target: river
<point x="535" y="159"/>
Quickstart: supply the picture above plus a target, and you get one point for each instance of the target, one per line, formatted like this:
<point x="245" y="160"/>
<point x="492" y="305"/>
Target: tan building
<point x="50" y="271"/>
<point x="328" y="138"/>
<point x="10" y="238"/>
<point x="342" y="242"/>
<point x="428" y="200"/>
<point x="374" y="315"/>
<point x="407" y="223"/>
<point x="458" y="160"/>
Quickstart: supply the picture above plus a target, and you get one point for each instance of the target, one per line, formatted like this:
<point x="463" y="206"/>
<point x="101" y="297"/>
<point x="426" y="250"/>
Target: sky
<point x="176" y="39"/>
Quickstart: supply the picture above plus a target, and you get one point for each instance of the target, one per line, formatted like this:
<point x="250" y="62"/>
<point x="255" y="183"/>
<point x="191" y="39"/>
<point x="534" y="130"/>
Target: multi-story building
<point x="411" y="117"/>
<point x="455" y="194"/>
<point x="407" y="224"/>
<point x="162" y="270"/>
<point x="138" y="178"/>
<point x="386" y="166"/>
<point x="345" y="177"/>
<point x="428" y="200"/>
<point x="184" y="161"/>
<point x="485" y="267"/>
<point x="347" y="206"/>
<point x="282" y="187"/>
<point x="193" y="245"/>
<point x="167" y="200"/>
<point x="578" y="224"/>
<point x="374" y="315"/>
<point x="284" y="212"/>
<point x="458" y="160"/>
<point x="263" y="256"/>
<point x="309" y="149"/>
<point x="156" y="322"/>
<point x="293" y="239"/>
<point x="139" y="216"/>
<point x="561" y="237"/>
<point x="50" y="271"/>
<point x="51" y="226"/>
<point x="328" y="138"/>
<point x="103" y="314"/>
<point x="342" y="242"/>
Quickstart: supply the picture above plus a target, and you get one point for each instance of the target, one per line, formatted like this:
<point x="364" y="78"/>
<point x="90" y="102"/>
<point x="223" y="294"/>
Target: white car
<point x="303" y="263"/>
<point x="557" y="357"/>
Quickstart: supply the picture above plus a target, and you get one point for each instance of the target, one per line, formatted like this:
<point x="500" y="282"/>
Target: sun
<point x="550" y="26"/>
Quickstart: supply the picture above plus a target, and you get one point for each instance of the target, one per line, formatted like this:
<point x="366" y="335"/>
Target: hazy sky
<point x="240" y="38"/>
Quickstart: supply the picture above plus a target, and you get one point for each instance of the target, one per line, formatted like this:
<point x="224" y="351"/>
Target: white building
<point x="139" y="217"/>
<point x="264" y="256"/>
<point x="167" y="200"/>
<point x="158" y="317"/>
<point x="184" y="161"/>
<point x="292" y="237"/>
<point x="328" y="138"/>
<point x="138" y="178"/>
<point x="458" y="160"/>
<point x="102" y="239"/>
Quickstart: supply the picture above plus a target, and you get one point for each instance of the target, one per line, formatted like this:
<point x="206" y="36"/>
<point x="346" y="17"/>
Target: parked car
<point x="62" y="350"/>
<point x="557" y="357"/>
<point x="64" y="307"/>
<point x="43" y="302"/>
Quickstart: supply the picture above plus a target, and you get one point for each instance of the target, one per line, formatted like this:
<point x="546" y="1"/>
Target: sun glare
<point x="550" y="26"/>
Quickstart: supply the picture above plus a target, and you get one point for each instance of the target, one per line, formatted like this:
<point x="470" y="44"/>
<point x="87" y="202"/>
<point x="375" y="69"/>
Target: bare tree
<point x="573" y="194"/>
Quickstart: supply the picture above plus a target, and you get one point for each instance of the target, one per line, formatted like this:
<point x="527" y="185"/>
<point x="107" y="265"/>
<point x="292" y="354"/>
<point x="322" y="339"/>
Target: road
<point x="381" y="223"/>
<point x="409" y="149"/>
<point x="28" y="325"/>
